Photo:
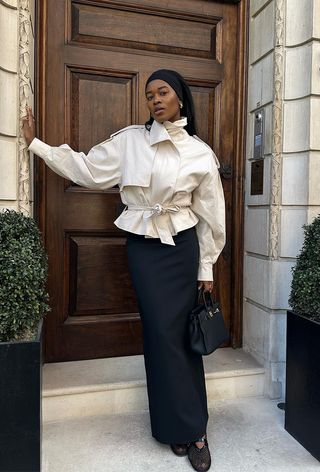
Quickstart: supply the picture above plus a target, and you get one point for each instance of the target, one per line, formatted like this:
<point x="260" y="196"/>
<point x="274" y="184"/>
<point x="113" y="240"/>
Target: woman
<point x="175" y="223"/>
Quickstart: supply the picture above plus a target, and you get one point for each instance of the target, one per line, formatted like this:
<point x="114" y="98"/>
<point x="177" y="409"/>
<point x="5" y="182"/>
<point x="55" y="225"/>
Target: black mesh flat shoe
<point x="200" y="458"/>
<point x="180" y="449"/>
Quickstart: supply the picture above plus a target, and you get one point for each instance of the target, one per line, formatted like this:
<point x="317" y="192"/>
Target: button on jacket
<point x="168" y="180"/>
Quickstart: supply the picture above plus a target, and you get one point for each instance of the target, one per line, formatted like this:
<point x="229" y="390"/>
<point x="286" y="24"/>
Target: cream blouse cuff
<point x="205" y="271"/>
<point x="39" y="147"/>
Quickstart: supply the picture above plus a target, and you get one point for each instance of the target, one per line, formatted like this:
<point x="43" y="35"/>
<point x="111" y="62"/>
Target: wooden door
<point x="94" y="58"/>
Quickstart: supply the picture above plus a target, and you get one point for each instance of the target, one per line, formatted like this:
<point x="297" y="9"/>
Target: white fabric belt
<point x="157" y="209"/>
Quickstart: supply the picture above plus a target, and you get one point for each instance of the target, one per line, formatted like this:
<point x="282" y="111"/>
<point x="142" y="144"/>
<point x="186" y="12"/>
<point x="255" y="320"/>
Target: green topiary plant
<point x="305" y="287"/>
<point x="23" y="274"/>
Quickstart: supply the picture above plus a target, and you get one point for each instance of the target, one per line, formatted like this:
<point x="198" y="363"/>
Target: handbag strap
<point x="206" y="298"/>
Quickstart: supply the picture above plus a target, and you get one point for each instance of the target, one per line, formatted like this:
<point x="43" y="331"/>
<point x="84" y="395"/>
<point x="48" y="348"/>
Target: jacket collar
<point x="159" y="132"/>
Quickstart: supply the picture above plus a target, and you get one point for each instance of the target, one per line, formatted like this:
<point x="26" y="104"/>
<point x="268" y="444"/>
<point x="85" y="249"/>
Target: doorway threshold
<point x="118" y="385"/>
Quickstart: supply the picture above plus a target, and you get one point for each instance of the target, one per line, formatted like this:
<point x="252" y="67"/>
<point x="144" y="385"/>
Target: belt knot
<point x="161" y="209"/>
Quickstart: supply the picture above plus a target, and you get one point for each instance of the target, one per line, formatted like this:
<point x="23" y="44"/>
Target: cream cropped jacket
<point x="168" y="180"/>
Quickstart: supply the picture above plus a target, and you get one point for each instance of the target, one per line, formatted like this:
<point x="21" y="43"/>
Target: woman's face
<point x="162" y="101"/>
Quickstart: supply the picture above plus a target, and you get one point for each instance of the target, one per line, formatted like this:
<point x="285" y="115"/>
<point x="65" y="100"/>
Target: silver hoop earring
<point x="180" y="104"/>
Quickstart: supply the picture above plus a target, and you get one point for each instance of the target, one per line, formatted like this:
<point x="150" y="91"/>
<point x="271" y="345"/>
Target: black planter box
<point x="302" y="410"/>
<point x="20" y="405"/>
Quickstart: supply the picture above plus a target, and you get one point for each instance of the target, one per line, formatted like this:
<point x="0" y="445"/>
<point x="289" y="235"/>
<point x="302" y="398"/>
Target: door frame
<point x="239" y="145"/>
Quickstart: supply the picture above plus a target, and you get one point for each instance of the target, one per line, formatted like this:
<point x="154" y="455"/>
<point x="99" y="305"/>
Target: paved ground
<point x="245" y="435"/>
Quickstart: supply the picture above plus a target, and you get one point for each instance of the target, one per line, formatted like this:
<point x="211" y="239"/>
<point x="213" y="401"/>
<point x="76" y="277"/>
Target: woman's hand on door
<point x="29" y="126"/>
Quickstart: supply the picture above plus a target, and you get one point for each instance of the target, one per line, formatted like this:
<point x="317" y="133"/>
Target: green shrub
<point x="305" y="287"/>
<point x="23" y="274"/>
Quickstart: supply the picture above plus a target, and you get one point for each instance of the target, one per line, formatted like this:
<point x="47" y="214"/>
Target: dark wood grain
<point x="98" y="276"/>
<point x="168" y="33"/>
<point x="92" y="64"/>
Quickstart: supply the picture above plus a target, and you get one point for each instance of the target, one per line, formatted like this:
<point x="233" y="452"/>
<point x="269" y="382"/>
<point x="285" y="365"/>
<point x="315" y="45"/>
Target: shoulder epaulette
<point x="207" y="145"/>
<point x="127" y="128"/>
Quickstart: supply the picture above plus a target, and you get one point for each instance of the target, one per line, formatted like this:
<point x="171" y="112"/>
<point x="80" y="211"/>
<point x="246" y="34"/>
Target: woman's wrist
<point x="206" y="285"/>
<point x="29" y="141"/>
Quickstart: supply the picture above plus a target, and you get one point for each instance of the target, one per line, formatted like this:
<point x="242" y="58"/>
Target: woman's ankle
<point x="201" y="441"/>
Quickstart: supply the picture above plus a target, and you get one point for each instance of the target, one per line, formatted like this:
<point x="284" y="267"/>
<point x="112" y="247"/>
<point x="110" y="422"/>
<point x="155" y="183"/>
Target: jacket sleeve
<point x="209" y="205"/>
<point x="99" y="169"/>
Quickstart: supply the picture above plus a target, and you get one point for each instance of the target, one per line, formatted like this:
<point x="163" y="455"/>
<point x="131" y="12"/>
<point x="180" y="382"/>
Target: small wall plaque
<point x="257" y="177"/>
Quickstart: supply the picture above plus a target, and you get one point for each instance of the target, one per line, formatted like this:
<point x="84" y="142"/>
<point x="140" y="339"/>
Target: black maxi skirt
<point x="165" y="281"/>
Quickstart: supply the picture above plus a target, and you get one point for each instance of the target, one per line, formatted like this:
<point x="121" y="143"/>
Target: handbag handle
<point x="205" y="296"/>
<point x="208" y="301"/>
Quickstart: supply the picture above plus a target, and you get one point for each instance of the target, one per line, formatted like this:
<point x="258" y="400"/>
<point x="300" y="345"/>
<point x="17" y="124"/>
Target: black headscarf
<point x="179" y="85"/>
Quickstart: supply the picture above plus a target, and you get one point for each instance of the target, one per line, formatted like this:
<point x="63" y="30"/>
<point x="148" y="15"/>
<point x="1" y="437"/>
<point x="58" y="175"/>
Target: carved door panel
<point x="94" y="58"/>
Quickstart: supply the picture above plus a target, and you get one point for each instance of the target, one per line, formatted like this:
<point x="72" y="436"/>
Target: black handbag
<point x="206" y="328"/>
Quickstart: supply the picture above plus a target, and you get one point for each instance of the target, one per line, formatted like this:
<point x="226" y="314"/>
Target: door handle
<point x="226" y="251"/>
<point x="226" y="171"/>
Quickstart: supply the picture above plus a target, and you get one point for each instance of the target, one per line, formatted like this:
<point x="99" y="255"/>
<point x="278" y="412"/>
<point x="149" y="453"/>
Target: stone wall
<point x="16" y="90"/>
<point x="284" y="79"/>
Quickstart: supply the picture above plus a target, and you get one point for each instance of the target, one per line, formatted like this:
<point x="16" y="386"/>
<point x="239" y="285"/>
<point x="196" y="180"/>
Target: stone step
<point x="118" y="384"/>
